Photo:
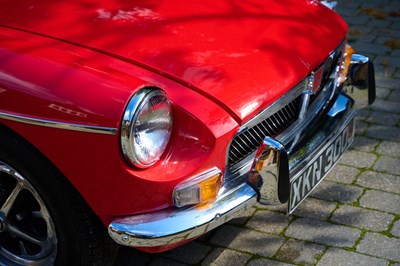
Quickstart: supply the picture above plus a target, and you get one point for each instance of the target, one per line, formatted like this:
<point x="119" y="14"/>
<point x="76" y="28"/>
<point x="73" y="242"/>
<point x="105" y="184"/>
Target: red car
<point x="149" y="123"/>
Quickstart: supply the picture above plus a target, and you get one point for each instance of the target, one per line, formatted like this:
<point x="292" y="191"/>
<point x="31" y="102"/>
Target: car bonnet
<point x="242" y="54"/>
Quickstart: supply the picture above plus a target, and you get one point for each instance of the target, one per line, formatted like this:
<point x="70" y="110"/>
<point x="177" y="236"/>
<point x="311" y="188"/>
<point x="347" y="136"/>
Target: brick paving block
<point x="241" y="239"/>
<point x="381" y="39"/>
<point x="263" y="262"/>
<point x="345" y="11"/>
<point x="282" y="208"/>
<point x="364" y="144"/>
<point x="343" y="174"/>
<point x="395" y="94"/>
<point x="300" y="252"/>
<point x="377" y="23"/>
<point x="362" y="114"/>
<point x="386" y="182"/>
<point x="315" y="209"/>
<point x="384" y="71"/>
<point x="190" y="253"/>
<point x="383" y="93"/>
<point x="323" y="232"/>
<point x="381" y="246"/>
<point x="388" y="119"/>
<point x="362" y="31"/>
<point x="350" y="4"/>
<point x="384" y="32"/>
<point x="362" y="218"/>
<point x="340" y="257"/>
<point x="388" y="164"/>
<point x="244" y="217"/>
<point x="206" y="236"/>
<point x="360" y="36"/>
<point x="391" y="60"/>
<point x="337" y="192"/>
<point x="358" y="159"/>
<point x="361" y="127"/>
<point x="164" y="262"/>
<point x="381" y="201"/>
<point x="222" y="257"/>
<point x="396" y="229"/>
<point x="394" y="28"/>
<point x="269" y="222"/>
<point x="388" y="83"/>
<point x="397" y="51"/>
<point x="371" y="48"/>
<point x="358" y="20"/>
<point x="385" y="106"/>
<point x="125" y="255"/>
<point x="384" y="132"/>
<point x="390" y="148"/>
<point x="374" y="4"/>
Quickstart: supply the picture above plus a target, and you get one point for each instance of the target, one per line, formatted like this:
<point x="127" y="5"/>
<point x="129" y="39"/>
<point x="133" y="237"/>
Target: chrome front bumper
<point x="175" y="225"/>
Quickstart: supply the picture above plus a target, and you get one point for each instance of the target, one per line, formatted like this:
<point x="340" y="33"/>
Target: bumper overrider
<point x="284" y="170"/>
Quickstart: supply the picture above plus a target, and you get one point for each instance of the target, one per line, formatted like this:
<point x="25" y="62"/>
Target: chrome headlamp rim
<point x="130" y="117"/>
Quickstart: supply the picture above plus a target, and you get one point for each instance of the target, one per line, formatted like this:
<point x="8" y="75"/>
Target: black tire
<point x="80" y="238"/>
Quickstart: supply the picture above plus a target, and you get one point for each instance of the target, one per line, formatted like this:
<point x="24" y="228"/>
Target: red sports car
<point x="149" y="123"/>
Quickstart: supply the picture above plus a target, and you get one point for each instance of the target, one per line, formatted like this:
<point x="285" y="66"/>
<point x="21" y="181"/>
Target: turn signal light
<point x="200" y="189"/>
<point x="347" y="59"/>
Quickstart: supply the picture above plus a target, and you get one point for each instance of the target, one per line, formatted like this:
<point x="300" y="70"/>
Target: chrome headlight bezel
<point x="131" y="122"/>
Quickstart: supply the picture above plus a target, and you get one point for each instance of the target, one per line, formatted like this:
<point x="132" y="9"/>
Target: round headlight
<point x="146" y="127"/>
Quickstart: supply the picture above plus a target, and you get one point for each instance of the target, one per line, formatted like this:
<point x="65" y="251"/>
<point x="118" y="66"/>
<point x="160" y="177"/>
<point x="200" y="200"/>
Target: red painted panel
<point x="35" y="79"/>
<point x="242" y="54"/>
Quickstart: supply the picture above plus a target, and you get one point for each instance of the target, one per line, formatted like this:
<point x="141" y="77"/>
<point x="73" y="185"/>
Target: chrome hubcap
<point x="27" y="232"/>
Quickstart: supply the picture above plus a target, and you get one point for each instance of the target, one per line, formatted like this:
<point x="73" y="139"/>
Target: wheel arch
<point x="90" y="232"/>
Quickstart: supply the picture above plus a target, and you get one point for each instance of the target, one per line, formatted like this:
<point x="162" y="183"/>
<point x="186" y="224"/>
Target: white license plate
<point x="313" y="173"/>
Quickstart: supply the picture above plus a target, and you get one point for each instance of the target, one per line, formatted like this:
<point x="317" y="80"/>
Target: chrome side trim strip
<point x="59" y="125"/>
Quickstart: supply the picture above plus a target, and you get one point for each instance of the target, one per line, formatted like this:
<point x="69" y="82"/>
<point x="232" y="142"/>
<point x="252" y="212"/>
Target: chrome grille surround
<point x="286" y="111"/>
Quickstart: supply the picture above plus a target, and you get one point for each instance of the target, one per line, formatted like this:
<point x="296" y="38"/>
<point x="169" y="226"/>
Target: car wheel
<point x="26" y="228"/>
<point x="43" y="220"/>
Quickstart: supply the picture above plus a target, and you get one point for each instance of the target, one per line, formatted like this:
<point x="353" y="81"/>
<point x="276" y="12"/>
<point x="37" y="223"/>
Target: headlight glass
<point x="146" y="127"/>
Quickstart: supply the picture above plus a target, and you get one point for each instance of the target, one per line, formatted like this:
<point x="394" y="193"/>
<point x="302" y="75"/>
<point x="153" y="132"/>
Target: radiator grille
<point x="250" y="140"/>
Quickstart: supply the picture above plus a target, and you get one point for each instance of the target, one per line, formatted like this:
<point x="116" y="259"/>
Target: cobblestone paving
<point x="353" y="217"/>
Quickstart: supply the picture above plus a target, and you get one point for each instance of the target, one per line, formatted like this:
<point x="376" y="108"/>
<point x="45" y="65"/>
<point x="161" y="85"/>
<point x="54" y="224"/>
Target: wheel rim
<point x="27" y="232"/>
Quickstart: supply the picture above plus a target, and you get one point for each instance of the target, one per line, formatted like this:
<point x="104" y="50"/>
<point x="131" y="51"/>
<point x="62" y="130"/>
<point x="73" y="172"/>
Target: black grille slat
<point x="272" y="124"/>
<point x="258" y="132"/>
<point x="234" y="153"/>
<point x="292" y="108"/>
<point x="270" y="130"/>
<point x="240" y="146"/>
<point x="279" y="119"/>
<point x="266" y="129"/>
<point x="255" y="141"/>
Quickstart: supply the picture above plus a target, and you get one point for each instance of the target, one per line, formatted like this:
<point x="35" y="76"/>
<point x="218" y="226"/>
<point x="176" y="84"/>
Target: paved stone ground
<point x="353" y="217"/>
